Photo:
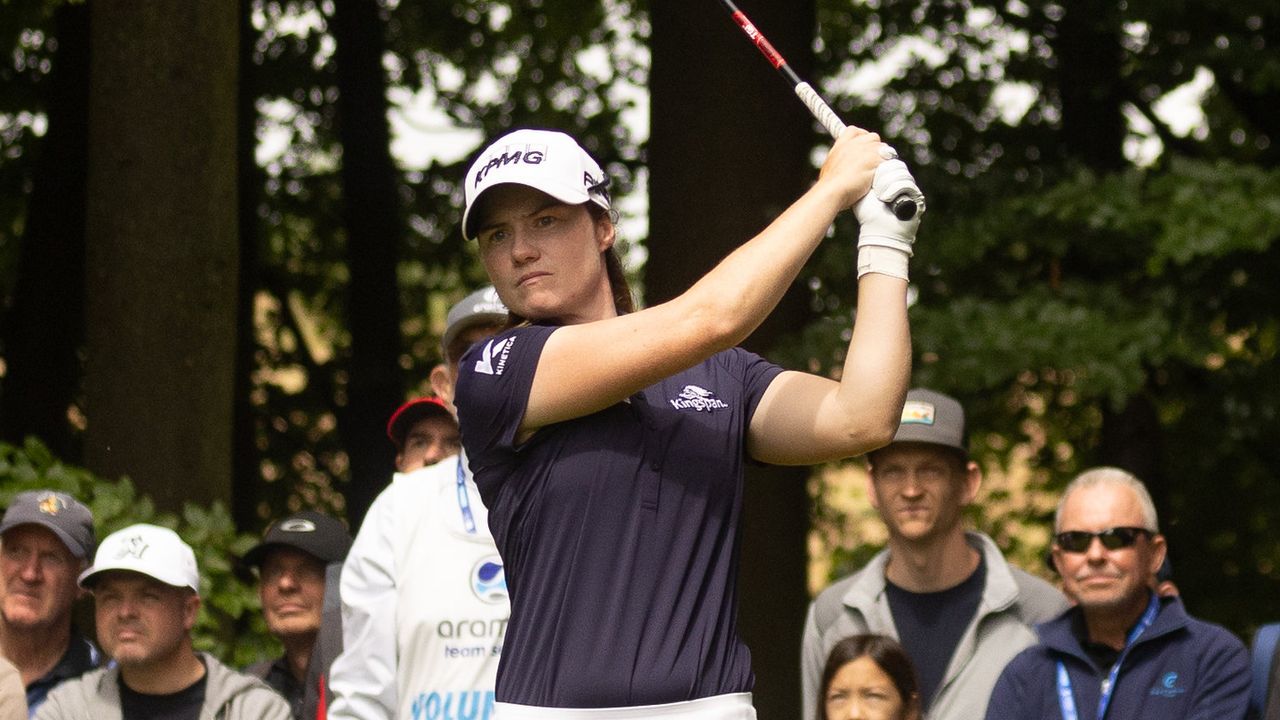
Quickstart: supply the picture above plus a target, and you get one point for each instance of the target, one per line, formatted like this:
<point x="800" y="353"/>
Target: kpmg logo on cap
<point x="917" y="413"/>
<point x="489" y="580"/>
<point x="599" y="187"/>
<point x="298" y="525"/>
<point x="698" y="399"/>
<point x="51" y="504"/>
<point x="512" y="155"/>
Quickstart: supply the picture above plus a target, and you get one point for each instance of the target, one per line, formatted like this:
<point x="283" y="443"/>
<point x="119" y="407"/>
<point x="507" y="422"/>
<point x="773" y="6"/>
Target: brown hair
<point x="622" y="299"/>
<point x="886" y="653"/>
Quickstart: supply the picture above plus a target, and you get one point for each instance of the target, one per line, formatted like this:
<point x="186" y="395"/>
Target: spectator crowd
<point x="407" y="619"/>
<point x="609" y="493"/>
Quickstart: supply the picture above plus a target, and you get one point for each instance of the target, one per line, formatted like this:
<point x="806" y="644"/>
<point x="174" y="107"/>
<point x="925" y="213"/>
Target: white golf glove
<point x="884" y="241"/>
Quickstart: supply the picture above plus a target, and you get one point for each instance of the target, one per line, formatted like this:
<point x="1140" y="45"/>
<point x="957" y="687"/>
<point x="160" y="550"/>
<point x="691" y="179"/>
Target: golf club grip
<point x="903" y="207"/>
<point x="820" y="109"/>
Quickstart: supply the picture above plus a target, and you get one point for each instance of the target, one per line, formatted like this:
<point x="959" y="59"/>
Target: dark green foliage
<point x="230" y="625"/>
<point x="448" y="50"/>
<point x="1057" y="293"/>
<point x="25" y="29"/>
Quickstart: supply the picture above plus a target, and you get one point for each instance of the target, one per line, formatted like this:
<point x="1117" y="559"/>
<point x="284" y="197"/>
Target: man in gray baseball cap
<point x="424" y="430"/>
<point x="420" y="527"/>
<point x="935" y="584"/>
<point x="46" y="539"/>
<point x="474" y="318"/>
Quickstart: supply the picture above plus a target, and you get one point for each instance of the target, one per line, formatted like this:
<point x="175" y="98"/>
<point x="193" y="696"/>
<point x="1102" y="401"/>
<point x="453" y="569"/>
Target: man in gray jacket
<point x="958" y="608"/>
<point x="146" y="597"/>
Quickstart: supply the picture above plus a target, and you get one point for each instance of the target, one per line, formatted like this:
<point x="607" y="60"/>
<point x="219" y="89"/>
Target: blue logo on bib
<point x="489" y="581"/>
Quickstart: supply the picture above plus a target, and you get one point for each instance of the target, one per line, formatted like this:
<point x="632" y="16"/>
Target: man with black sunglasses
<point x="958" y="607"/>
<point x="1123" y="651"/>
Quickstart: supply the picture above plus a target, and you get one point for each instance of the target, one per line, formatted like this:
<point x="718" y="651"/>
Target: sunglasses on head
<point x="1078" y="541"/>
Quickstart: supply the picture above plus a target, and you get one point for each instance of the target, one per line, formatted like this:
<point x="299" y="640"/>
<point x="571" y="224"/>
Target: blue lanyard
<point x="464" y="499"/>
<point x="1066" y="699"/>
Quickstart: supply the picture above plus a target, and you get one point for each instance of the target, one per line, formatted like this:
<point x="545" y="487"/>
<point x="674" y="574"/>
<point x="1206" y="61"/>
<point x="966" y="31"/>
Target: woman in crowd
<point x="869" y="677"/>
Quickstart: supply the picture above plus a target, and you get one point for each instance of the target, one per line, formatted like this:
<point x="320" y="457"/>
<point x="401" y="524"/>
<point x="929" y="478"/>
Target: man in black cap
<point x="292" y="560"/>
<point x="958" y="608"/>
<point x="46" y="539"/>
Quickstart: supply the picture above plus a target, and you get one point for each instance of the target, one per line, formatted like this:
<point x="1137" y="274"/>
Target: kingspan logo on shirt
<point x="493" y="359"/>
<point x="693" y="397"/>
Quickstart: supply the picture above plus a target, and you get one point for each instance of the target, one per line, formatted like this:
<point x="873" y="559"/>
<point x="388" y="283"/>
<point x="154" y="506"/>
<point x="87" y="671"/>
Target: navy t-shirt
<point x="618" y="530"/>
<point x="930" y="625"/>
<point x="182" y="705"/>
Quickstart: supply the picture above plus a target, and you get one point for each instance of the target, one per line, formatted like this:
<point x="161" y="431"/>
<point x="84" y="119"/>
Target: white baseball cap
<point x="545" y="160"/>
<point x="154" y="551"/>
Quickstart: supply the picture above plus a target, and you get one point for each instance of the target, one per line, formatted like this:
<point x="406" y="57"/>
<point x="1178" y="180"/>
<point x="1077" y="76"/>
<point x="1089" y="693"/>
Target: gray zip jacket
<point x="229" y="695"/>
<point x="1012" y="602"/>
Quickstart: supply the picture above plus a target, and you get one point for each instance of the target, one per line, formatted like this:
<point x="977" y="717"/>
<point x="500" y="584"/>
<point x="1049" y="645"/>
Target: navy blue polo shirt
<point x="80" y="657"/>
<point x="618" y="530"/>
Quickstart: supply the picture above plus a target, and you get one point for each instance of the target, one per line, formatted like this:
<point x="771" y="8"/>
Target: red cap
<point x="407" y="414"/>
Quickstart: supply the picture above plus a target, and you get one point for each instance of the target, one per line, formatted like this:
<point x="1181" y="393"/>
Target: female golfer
<point x="609" y="445"/>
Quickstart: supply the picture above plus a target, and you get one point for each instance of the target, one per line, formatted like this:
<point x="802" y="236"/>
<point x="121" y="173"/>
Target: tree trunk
<point x="162" y="247"/>
<point x="728" y="151"/>
<point x="45" y="324"/>
<point x="246" y="476"/>
<point x="1132" y="439"/>
<point x="373" y="223"/>
<point x="1088" y="52"/>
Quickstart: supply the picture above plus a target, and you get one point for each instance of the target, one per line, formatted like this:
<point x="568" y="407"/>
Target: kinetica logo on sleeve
<point x="493" y="359"/>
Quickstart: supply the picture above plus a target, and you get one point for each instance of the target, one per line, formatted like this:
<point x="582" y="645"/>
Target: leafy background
<point x="1094" y="280"/>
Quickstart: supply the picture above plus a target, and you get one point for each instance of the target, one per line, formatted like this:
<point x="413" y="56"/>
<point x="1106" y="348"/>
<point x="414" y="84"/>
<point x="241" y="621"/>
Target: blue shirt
<point x="81" y="657"/>
<point x="618" y="530"/>
<point x="931" y="624"/>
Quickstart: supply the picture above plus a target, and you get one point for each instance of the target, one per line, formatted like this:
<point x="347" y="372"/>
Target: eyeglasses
<point x="1078" y="541"/>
